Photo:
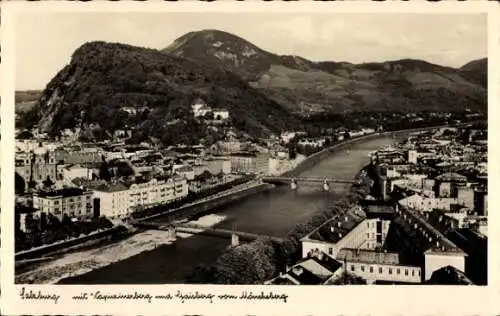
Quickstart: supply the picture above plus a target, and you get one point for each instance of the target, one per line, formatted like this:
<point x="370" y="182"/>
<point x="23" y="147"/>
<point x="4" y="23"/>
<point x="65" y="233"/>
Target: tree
<point x="104" y="222"/>
<point x="348" y="278"/>
<point x="53" y="222"/>
<point x="30" y="223"/>
<point x="66" y="221"/>
<point x="32" y="184"/>
<point x="25" y="135"/>
<point x="104" y="173"/>
<point x="19" y="184"/>
<point x="43" y="221"/>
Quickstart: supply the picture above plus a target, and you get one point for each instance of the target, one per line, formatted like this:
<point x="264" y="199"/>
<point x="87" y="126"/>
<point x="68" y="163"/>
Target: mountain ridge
<point x="260" y="89"/>
<point x="338" y="86"/>
<point x="103" y="78"/>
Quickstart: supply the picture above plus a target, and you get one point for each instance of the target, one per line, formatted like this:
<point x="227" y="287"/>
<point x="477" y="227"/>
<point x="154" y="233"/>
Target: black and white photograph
<point x="251" y="148"/>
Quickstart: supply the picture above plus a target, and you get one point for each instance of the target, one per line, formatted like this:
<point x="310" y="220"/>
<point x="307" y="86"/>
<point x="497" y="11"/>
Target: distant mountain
<point x="25" y="100"/>
<point x="103" y="78"/>
<point x="232" y="52"/>
<point x="303" y="85"/>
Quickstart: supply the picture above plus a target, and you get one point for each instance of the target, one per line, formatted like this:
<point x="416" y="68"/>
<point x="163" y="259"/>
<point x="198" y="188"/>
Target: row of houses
<point x="114" y="200"/>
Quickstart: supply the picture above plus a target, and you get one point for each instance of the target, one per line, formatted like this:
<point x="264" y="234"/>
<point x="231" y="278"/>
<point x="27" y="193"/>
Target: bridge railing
<point x="208" y="229"/>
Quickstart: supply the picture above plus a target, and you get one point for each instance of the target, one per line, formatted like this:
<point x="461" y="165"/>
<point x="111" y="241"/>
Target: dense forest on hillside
<point x="103" y="78"/>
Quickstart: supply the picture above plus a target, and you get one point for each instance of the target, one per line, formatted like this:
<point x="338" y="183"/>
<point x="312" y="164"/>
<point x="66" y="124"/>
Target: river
<point x="274" y="212"/>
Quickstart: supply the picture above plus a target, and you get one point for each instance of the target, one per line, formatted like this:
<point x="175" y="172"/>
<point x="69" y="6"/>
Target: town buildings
<point x="427" y="221"/>
<point x="36" y="166"/>
<point x="72" y="202"/>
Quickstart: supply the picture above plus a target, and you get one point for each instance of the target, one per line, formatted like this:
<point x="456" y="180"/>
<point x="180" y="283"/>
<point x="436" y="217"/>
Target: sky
<point x="46" y="41"/>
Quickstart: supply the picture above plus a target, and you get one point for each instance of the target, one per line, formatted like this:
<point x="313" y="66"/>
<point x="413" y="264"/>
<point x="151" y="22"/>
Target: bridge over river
<point x="191" y="228"/>
<point x="294" y="181"/>
<point x="271" y="213"/>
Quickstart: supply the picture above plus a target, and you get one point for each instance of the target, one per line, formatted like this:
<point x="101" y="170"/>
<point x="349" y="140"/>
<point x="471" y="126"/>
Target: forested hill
<point x="103" y="78"/>
<point x="477" y="71"/>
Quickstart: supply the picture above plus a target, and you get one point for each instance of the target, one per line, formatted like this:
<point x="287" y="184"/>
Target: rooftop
<point x="452" y="176"/>
<point x="304" y="276"/>
<point x="320" y="263"/>
<point x="114" y="187"/>
<point x="426" y="234"/>
<point x="336" y="228"/>
<point x="65" y="192"/>
<point x="449" y="275"/>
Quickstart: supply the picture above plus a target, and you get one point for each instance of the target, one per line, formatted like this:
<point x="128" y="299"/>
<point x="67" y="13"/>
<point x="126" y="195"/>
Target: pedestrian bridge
<point x="293" y="181"/>
<point x="195" y="229"/>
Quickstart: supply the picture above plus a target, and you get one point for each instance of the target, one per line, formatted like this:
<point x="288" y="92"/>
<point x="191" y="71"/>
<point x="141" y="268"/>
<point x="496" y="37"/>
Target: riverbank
<point x="78" y="263"/>
<point x="219" y="199"/>
<point x="273" y="212"/>
<point x="265" y="213"/>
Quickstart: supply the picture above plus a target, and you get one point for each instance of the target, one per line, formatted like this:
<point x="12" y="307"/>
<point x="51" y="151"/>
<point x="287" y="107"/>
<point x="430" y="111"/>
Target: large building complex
<point x="118" y="200"/>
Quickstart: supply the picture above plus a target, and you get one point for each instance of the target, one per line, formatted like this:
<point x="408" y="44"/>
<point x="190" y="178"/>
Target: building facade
<point x="74" y="202"/>
<point x="113" y="200"/>
<point x="36" y="166"/>
<point x="157" y="192"/>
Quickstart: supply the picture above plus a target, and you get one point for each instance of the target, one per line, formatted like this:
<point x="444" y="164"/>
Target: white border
<point x="317" y="300"/>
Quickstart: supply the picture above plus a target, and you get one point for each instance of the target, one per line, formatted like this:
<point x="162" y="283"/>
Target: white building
<point x="218" y="164"/>
<point x="74" y="202"/>
<point x="113" y="200"/>
<point x="351" y="230"/>
<point x="378" y="266"/>
<point x="356" y="133"/>
<point x="157" y="192"/>
<point x="200" y="108"/>
<point x="287" y="136"/>
<point x="221" y="114"/>
<point x="358" y="240"/>
<point x="72" y="172"/>
<point x="425" y="204"/>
